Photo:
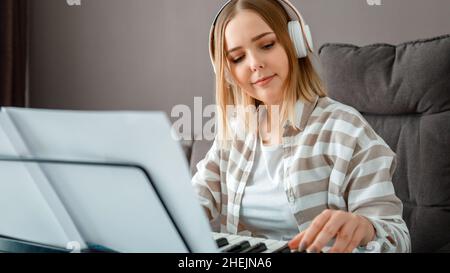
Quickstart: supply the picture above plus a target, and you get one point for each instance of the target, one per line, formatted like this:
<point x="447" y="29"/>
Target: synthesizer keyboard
<point x="229" y="243"/>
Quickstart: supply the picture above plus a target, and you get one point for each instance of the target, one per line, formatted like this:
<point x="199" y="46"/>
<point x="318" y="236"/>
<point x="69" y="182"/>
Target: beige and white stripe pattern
<point x="332" y="159"/>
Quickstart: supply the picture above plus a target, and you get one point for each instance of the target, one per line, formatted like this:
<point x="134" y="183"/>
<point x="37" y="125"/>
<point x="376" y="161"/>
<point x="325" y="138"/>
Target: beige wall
<point x="152" y="55"/>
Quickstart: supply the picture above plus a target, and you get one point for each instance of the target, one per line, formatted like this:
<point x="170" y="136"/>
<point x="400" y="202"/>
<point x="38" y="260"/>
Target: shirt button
<point x="291" y="196"/>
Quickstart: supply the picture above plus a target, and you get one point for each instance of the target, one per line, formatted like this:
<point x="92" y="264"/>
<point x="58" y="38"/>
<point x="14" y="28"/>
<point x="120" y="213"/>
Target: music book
<point x="111" y="180"/>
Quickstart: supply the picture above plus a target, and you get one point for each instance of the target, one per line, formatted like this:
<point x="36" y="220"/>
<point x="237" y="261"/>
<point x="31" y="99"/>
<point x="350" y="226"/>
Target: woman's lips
<point x="264" y="81"/>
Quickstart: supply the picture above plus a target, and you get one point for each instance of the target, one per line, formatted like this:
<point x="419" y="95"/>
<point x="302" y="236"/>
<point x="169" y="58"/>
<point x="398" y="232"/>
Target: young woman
<point x="310" y="170"/>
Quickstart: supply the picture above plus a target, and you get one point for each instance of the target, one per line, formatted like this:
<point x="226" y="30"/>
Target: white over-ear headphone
<point x="298" y="31"/>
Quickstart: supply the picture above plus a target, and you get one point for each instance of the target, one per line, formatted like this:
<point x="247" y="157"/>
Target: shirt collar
<point x="303" y="111"/>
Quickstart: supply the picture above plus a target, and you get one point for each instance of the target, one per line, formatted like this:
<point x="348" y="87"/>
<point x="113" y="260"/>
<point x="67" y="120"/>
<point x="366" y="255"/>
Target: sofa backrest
<point x="403" y="91"/>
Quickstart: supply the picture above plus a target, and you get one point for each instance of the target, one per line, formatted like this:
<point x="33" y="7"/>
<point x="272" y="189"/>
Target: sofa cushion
<point x="404" y="93"/>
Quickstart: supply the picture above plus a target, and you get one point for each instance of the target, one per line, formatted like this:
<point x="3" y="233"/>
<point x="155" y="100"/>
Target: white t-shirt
<point x="265" y="210"/>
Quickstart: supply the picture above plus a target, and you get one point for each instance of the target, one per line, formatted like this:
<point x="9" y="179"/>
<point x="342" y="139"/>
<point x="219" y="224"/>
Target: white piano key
<point x="253" y="240"/>
<point x="274" y="246"/>
<point x="217" y="235"/>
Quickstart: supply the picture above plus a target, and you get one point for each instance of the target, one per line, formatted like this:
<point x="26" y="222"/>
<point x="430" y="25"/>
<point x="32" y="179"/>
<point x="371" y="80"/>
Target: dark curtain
<point x="13" y="52"/>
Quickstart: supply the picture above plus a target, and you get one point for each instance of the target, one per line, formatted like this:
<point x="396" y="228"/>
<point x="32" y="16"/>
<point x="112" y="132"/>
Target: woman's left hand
<point x="349" y="229"/>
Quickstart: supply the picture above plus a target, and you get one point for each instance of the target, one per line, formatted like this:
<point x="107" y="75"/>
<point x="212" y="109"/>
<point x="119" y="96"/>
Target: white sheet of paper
<point x="115" y="207"/>
<point x="30" y="208"/>
<point x="137" y="137"/>
<point x="25" y="213"/>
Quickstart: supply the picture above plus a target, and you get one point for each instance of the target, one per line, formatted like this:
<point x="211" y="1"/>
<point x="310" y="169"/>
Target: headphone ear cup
<point x="309" y="37"/>
<point x="295" y="31"/>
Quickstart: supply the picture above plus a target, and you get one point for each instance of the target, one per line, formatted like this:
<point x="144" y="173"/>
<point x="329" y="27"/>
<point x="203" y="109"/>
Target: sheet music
<point x="143" y="138"/>
<point x="115" y="207"/>
<point x="30" y="208"/>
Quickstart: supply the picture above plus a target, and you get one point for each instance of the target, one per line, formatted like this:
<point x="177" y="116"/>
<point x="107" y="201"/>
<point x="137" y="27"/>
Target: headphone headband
<point x="288" y="7"/>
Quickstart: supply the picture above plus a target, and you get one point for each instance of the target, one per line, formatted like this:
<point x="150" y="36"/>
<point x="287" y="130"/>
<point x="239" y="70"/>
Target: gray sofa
<point x="404" y="93"/>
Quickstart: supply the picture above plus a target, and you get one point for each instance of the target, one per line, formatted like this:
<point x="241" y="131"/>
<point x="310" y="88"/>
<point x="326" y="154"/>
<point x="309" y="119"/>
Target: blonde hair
<point x="302" y="82"/>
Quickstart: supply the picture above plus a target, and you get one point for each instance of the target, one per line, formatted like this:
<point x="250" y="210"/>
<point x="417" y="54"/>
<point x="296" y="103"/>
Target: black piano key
<point x="258" y="248"/>
<point x="284" y="249"/>
<point x="236" y="248"/>
<point x="221" y="242"/>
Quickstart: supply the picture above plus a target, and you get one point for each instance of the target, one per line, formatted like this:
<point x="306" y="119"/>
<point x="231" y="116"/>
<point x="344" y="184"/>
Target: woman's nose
<point x="256" y="62"/>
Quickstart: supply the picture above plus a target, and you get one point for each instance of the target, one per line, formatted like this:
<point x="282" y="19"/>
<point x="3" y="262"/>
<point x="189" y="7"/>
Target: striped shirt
<point x="332" y="159"/>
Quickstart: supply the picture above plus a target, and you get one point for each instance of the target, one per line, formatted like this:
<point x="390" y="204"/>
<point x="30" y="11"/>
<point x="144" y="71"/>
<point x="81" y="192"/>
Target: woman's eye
<point x="269" y="46"/>
<point x="237" y="60"/>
